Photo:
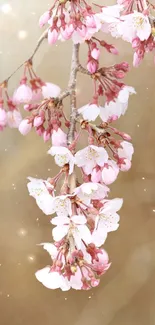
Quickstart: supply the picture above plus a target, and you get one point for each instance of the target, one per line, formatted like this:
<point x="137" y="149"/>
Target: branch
<point x="43" y="36"/>
<point x="72" y="88"/>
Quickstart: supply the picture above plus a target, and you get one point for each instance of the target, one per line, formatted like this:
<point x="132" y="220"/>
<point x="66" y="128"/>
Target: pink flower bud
<point x="59" y="138"/>
<point x="44" y="18"/>
<point x="46" y="136"/>
<point x="25" y="127"/>
<point x="136" y="60"/>
<point x="135" y="42"/>
<point x="40" y="130"/>
<point x="113" y="50"/>
<point x="50" y="90"/>
<point x="95" y="282"/>
<point x="110" y="172"/>
<point x="95" y="53"/>
<point x="126" y="165"/>
<point x="52" y="36"/>
<point x="82" y="31"/>
<point x="96" y="176"/>
<point x="37" y="121"/>
<point x="23" y="94"/>
<point x="3" y="117"/>
<point x="92" y="66"/>
<point x="67" y="32"/>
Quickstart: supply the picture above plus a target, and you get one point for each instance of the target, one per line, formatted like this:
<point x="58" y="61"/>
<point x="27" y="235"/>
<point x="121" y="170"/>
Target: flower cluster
<point x="82" y="214"/>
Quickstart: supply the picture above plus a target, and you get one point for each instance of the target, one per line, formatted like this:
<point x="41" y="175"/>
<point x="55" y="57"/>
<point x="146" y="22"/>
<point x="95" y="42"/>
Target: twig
<point x="43" y="36"/>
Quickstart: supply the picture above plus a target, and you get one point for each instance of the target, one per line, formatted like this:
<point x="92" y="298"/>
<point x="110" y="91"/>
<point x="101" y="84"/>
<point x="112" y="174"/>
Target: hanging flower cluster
<point x="81" y="213"/>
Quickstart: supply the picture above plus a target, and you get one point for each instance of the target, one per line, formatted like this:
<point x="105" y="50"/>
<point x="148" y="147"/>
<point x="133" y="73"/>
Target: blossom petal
<point x="85" y="233"/>
<point x="60" y="220"/>
<point x="79" y="219"/>
<point x="60" y="232"/>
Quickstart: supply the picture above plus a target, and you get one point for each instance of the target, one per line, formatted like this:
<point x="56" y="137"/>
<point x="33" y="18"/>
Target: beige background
<point x="126" y="295"/>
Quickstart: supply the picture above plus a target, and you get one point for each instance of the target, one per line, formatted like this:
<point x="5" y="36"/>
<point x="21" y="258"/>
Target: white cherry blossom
<point x="114" y="109"/>
<point x="135" y="25"/>
<point x="38" y="188"/>
<point x="91" y="191"/>
<point x="62" y="205"/>
<point x="74" y="226"/>
<point x="52" y="280"/>
<point x="91" y="156"/>
<point x="89" y="112"/>
<point x="50" y="90"/>
<point x="110" y="14"/>
<point x="106" y="221"/>
<point x="63" y="156"/>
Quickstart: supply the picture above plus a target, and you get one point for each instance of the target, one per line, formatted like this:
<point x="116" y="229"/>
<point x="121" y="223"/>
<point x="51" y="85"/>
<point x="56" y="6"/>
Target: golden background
<point x="126" y="295"/>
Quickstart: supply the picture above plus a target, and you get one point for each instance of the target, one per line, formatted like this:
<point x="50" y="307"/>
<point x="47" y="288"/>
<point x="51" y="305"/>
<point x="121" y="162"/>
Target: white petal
<point x="51" y="249"/>
<point x="60" y="221"/>
<point x="79" y="219"/>
<point x="85" y="233"/>
<point x="42" y="274"/>
<point x="99" y="236"/>
<point x="60" y="232"/>
<point x="111" y="206"/>
<point x="45" y="203"/>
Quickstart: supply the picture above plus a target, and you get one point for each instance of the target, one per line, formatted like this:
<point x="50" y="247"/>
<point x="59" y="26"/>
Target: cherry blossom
<point x="91" y="156"/>
<point x="106" y="221"/>
<point x="90" y="111"/>
<point x="63" y="156"/>
<point x="40" y="190"/>
<point x="91" y="191"/>
<point x="74" y="227"/>
<point x="135" y="25"/>
<point x="114" y="109"/>
<point x="82" y="216"/>
<point x="52" y="280"/>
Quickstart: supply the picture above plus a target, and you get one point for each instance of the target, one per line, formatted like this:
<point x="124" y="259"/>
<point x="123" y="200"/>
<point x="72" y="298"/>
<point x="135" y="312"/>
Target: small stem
<point x="43" y="36"/>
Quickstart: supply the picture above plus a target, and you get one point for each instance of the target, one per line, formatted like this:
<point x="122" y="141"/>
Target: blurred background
<point x="126" y="294"/>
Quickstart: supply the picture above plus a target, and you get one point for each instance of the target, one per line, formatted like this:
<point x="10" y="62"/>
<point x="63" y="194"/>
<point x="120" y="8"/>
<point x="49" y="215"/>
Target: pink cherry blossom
<point x="59" y="138"/>
<point x="44" y="18"/>
<point x="25" y="127"/>
<point x="73" y="226"/>
<point x="63" y="156"/>
<point x="14" y="118"/>
<point x="125" y="153"/>
<point x="3" y="117"/>
<point x="110" y="172"/>
<point x="91" y="156"/>
<point x="50" y="90"/>
<point x="40" y="190"/>
<point x="67" y="32"/>
<point x="23" y="94"/>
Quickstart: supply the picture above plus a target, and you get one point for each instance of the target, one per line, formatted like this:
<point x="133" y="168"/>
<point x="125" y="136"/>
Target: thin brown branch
<point x="83" y="70"/>
<point x="41" y="39"/>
